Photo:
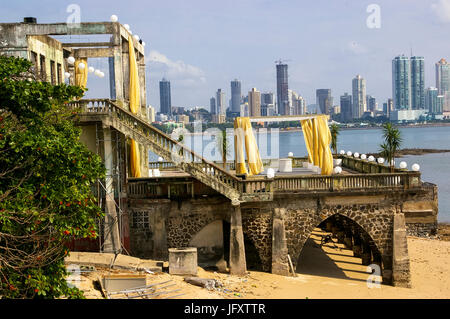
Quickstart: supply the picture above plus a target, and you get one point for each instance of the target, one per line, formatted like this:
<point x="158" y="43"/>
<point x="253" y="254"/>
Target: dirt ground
<point x="328" y="272"/>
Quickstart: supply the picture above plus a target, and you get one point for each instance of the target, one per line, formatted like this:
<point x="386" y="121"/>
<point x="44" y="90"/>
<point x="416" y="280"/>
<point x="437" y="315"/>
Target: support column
<point x="401" y="275"/>
<point x="111" y="238"/>
<point x="280" y="263"/>
<point x="238" y="265"/>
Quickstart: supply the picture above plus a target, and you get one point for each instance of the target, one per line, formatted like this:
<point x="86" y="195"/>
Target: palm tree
<point x="334" y="130"/>
<point x="392" y="140"/>
<point x="223" y="147"/>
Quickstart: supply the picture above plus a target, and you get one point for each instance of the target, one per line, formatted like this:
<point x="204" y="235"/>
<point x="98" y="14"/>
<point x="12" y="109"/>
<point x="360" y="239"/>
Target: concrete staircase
<point x="208" y="173"/>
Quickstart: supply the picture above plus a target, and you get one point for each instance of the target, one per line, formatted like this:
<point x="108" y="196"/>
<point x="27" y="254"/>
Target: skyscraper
<point x="324" y="100"/>
<point x="235" y="96"/>
<point x="267" y="104"/>
<point x="401" y="92"/>
<point x="346" y="108"/>
<point x="432" y="100"/>
<point x="254" y="102"/>
<point x="282" y="89"/>
<point x="417" y="83"/>
<point x="443" y="81"/>
<point x="371" y="103"/>
<point x="220" y="102"/>
<point x="359" y="105"/>
<point x="212" y="105"/>
<point x="164" y="97"/>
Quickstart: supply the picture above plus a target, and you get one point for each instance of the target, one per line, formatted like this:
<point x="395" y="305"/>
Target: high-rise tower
<point x="401" y="88"/>
<point x="282" y="89"/>
<point x="236" y="96"/>
<point x="359" y="105"/>
<point x="164" y="97"/>
<point x="417" y="83"/>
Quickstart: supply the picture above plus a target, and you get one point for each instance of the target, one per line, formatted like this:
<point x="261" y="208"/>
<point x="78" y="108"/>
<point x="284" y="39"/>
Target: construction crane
<point x="280" y="61"/>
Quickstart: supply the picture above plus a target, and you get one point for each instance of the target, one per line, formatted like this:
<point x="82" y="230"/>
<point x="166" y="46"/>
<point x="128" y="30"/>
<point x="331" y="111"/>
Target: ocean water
<point x="435" y="168"/>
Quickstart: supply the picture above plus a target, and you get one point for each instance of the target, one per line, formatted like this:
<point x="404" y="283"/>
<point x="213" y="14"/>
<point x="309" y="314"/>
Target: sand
<point x="327" y="273"/>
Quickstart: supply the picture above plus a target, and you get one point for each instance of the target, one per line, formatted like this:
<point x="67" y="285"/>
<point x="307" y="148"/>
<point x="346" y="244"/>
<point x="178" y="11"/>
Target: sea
<point x="435" y="167"/>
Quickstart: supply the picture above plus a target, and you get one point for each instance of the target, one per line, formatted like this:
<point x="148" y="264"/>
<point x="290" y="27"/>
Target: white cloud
<point x="442" y="10"/>
<point x="184" y="74"/>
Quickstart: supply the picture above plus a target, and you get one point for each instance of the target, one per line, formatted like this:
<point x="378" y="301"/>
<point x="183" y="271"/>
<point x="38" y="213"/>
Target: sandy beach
<point x="326" y="273"/>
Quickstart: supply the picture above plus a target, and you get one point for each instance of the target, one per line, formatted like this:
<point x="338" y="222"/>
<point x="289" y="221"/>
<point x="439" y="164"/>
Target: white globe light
<point x="102" y="75"/>
<point x="415" y="167"/>
<point x="356" y="155"/>
<point x="371" y="158"/>
<point x="270" y="173"/>
<point x="337" y="170"/>
<point x="342" y="152"/>
<point x="136" y="37"/>
<point x="67" y="75"/>
<point x="97" y="72"/>
<point x="127" y="26"/>
<point x="71" y="60"/>
<point x="290" y="154"/>
<point x="380" y="160"/>
<point x="114" y="18"/>
<point x="160" y="159"/>
<point x="143" y="44"/>
<point x="91" y="69"/>
<point x="363" y="156"/>
<point x="81" y="66"/>
<point x="349" y="153"/>
<point x="403" y="165"/>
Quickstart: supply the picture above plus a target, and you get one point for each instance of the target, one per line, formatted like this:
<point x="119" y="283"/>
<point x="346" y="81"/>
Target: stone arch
<point x="180" y="231"/>
<point x="376" y="221"/>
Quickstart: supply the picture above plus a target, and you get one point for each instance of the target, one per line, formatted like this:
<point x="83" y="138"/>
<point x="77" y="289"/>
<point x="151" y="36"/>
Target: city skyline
<point x="190" y="52"/>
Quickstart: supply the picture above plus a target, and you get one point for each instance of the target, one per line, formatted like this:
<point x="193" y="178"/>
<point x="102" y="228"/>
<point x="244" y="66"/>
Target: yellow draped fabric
<point x="326" y="157"/>
<point x="317" y="140"/>
<point x="81" y="75"/>
<point x="239" y="146"/>
<point x="135" y="103"/>
<point x="243" y="126"/>
<point x="307" y="134"/>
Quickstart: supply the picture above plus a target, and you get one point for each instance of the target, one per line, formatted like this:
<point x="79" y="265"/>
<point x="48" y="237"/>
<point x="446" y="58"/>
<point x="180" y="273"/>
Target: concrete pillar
<point x="111" y="238"/>
<point x="238" y="265"/>
<point x="118" y="74"/>
<point x="401" y="275"/>
<point x="280" y="263"/>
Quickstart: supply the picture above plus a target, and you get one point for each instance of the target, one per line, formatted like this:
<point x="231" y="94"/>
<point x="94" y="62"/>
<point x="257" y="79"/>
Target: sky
<point x="202" y="45"/>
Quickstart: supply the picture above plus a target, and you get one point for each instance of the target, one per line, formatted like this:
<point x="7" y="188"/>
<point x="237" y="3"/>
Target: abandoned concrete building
<point x="234" y="221"/>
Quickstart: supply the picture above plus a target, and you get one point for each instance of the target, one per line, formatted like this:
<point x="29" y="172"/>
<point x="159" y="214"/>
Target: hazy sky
<point x="201" y="45"/>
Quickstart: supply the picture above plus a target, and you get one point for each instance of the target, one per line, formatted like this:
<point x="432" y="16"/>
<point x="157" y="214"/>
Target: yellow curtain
<point x="255" y="164"/>
<point x="239" y="146"/>
<point x="307" y="134"/>
<point x="326" y="157"/>
<point x="315" y="137"/>
<point x="317" y="140"/>
<point x="135" y="104"/>
<point x="242" y="128"/>
<point x="81" y="75"/>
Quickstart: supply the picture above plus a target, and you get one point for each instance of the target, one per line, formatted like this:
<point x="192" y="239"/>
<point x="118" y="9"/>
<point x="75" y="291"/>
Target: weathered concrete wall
<point x="279" y="227"/>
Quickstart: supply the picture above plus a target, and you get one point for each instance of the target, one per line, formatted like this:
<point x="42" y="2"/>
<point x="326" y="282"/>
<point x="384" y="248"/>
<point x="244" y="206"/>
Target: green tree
<point x="223" y="147"/>
<point x="392" y="141"/>
<point x="334" y="130"/>
<point x="46" y="177"/>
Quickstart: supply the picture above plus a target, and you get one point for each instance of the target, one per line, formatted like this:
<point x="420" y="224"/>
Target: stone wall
<point x="370" y="216"/>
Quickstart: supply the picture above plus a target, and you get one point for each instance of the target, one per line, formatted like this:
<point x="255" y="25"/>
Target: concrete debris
<point x="209" y="284"/>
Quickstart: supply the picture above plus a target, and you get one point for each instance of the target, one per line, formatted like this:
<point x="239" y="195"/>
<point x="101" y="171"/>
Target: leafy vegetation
<point x="334" y="130"/>
<point x="46" y="175"/>
<point x="392" y="141"/>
